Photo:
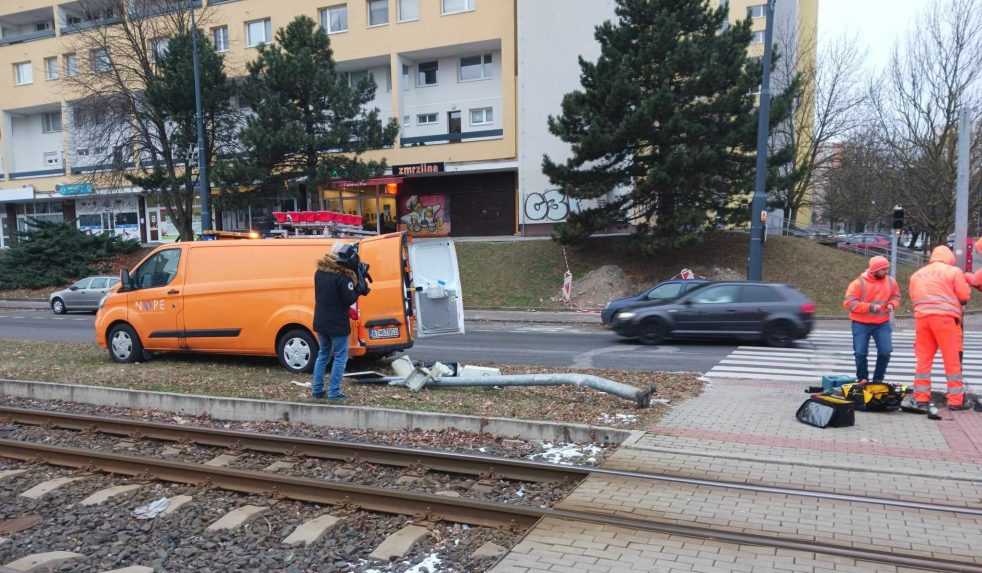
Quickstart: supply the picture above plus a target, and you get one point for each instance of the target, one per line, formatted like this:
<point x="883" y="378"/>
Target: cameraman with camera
<point x="340" y="279"/>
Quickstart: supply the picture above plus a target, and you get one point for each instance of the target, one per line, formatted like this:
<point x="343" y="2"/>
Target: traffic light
<point x="898" y="218"/>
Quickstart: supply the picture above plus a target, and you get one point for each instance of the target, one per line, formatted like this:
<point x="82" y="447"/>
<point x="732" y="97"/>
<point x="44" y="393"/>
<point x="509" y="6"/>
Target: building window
<point x="758" y="38"/>
<point x="455" y="6"/>
<point x="758" y="11"/>
<point x="427" y="75"/>
<point x="51" y="71"/>
<point x="355" y="78"/>
<point x="219" y="37"/>
<point x="334" y="19"/>
<point x="482" y="116"/>
<point x="378" y="12"/>
<point x="51" y="121"/>
<point x="427" y="119"/>
<point x="258" y="32"/>
<point x="71" y="65"/>
<point x="408" y="10"/>
<point x="159" y="47"/>
<point x="476" y="68"/>
<point x="23" y="73"/>
<point x="52" y="159"/>
<point x="100" y="60"/>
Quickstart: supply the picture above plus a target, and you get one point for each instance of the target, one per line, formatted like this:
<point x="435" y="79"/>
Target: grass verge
<point x="528" y="274"/>
<point x="264" y="379"/>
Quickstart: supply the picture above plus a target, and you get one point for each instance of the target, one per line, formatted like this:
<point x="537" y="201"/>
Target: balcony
<point x="151" y="8"/>
<point x="27" y="26"/>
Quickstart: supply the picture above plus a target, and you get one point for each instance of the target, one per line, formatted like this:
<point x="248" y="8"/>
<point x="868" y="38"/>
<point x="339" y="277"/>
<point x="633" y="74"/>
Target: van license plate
<point x="383" y="332"/>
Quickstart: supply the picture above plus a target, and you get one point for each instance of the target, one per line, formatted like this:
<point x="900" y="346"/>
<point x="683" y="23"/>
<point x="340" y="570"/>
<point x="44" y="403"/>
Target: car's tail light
<point x="808" y="308"/>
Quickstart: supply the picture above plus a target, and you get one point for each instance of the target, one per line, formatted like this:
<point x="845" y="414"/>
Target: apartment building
<point x="470" y="82"/>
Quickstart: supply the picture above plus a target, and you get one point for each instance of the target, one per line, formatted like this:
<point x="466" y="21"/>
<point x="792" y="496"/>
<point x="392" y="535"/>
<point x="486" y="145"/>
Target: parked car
<point x="83" y="295"/>
<point x="866" y="241"/>
<point x="256" y="297"/>
<point x="778" y="314"/>
<point x="662" y="292"/>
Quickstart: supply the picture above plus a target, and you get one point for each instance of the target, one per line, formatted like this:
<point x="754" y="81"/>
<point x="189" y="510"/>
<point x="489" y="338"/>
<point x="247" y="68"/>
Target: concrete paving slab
<point x="238" y="517"/>
<point x="44" y="488"/>
<point x="105" y="495"/>
<point x="311" y="531"/>
<point x="43" y="561"/>
<point x="399" y="543"/>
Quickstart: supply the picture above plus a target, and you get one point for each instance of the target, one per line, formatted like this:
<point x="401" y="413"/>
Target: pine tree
<point x="309" y="124"/>
<point x="663" y="130"/>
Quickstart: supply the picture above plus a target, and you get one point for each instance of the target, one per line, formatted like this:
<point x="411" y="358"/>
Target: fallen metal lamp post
<point x="641" y="398"/>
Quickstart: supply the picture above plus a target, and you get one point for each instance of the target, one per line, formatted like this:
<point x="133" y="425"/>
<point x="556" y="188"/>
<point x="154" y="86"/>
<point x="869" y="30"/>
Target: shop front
<point x="437" y="204"/>
<point x="373" y="200"/>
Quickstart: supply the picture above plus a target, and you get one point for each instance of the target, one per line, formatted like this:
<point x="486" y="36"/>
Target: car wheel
<point x="653" y="331"/>
<point x="779" y="334"/>
<point x="124" y="345"/>
<point x="297" y="351"/>
<point x="58" y="306"/>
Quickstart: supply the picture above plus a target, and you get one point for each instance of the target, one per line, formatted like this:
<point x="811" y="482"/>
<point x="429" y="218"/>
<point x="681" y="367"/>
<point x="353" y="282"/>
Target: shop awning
<point x="377" y="181"/>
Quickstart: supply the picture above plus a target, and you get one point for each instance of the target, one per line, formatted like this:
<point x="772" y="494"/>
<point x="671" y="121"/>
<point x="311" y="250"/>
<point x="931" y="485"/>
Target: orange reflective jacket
<point x="939" y="288"/>
<point x="866" y="291"/>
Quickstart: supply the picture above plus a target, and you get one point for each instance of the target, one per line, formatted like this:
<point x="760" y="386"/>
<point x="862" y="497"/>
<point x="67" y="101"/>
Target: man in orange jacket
<point x="938" y="291"/>
<point x="870" y="299"/>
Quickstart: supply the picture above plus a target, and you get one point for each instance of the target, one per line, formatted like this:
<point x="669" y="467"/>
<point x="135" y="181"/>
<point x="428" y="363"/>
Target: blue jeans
<point x="882" y="334"/>
<point x="335" y="347"/>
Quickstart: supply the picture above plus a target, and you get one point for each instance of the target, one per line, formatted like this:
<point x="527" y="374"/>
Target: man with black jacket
<point x="337" y="285"/>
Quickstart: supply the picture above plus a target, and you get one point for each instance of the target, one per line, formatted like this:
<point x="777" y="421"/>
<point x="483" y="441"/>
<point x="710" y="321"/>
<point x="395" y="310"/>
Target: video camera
<point x="347" y="256"/>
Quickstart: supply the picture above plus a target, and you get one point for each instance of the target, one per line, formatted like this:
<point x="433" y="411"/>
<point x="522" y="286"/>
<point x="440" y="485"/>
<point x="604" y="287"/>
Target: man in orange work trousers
<point x="870" y="299"/>
<point x="938" y="292"/>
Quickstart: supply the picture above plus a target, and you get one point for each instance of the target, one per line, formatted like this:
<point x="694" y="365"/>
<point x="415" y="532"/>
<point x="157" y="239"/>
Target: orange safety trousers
<point x="936" y="331"/>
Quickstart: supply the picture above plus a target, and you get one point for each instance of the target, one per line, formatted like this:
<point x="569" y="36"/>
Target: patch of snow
<point x="483" y="450"/>
<point x="617" y="419"/>
<point x="567" y="453"/>
<point x="428" y="565"/>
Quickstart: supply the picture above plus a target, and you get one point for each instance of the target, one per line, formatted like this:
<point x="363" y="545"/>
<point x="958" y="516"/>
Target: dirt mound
<point x="599" y="286"/>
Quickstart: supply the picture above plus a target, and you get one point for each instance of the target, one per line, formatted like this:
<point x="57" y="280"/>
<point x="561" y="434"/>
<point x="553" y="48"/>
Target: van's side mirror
<point x="125" y="281"/>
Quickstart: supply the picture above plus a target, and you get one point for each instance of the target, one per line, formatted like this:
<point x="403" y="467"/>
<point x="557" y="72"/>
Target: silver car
<point x="83" y="295"/>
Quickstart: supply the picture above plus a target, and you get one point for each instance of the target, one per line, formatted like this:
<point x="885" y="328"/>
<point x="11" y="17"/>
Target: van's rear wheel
<point x="297" y="351"/>
<point x="124" y="344"/>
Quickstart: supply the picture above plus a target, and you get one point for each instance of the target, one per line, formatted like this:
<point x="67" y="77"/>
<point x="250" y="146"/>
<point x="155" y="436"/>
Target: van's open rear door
<point x="438" y="293"/>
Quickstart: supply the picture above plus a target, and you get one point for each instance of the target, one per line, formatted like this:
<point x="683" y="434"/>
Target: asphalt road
<point x="550" y="346"/>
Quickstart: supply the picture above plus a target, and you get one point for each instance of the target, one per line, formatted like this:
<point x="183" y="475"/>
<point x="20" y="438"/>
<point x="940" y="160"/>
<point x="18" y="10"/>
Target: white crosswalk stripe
<point x="830" y="352"/>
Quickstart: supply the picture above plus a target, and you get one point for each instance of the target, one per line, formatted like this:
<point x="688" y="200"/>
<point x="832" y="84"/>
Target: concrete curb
<point x="352" y="417"/>
<point x="24" y="304"/>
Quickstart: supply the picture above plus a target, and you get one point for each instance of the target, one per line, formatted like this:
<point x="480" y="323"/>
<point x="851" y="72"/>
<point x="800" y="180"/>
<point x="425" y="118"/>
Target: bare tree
<point x="827" y="109"/>
<point x="855" y="187"/>
<point x="132" y="103"/>
<point x="934" y="73"/>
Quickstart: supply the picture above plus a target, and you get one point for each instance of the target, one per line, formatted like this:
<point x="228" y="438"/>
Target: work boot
<point x="932" y="412"/>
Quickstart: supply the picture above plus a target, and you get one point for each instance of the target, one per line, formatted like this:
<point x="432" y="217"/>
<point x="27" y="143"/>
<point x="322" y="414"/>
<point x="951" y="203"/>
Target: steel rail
<point x="430" y="507"/>
<point x="450" y="462"/>
<point x="468" y="464"/>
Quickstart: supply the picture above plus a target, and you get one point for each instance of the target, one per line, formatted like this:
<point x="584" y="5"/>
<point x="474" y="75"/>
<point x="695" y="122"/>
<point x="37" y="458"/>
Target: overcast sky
<point x="878" y="23"/>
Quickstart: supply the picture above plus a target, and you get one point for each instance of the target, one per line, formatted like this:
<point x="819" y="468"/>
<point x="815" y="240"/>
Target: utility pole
<point x="961" y="190"/>
<point x="203" y="184"/>
<point x="755" y="267"/>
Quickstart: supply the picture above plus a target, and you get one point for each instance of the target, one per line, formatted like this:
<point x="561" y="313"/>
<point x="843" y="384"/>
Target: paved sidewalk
<point x="746" y="432"/>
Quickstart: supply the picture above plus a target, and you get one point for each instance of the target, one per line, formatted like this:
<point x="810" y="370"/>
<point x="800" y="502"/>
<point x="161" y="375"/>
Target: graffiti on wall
<point x="550" y="206"/>
<point x="425" y="215"/>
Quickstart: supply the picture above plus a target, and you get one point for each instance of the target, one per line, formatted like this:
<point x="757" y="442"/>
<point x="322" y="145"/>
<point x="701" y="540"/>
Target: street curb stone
<point x="354" y="417"/>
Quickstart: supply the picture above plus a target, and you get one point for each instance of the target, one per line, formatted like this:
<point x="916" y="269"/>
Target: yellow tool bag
<point x="873" y="396"/>
<point x="823" y="411"/>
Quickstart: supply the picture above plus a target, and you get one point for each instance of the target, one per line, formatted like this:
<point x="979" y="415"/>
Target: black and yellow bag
<point x="874" y="396"/>
<point x="824" y="411"/>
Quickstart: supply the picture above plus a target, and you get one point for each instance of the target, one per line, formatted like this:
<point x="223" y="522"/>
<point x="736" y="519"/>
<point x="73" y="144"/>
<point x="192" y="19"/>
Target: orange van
<point x="256" y="297"/>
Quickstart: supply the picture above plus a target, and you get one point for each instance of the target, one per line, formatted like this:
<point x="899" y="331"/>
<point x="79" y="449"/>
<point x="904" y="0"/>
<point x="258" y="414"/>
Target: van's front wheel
<point x="297" y="351"/>
<point x="124" y="344"/>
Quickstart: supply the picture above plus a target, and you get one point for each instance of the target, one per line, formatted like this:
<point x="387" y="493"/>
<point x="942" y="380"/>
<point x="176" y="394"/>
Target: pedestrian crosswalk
<point x="830" y="352"/>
